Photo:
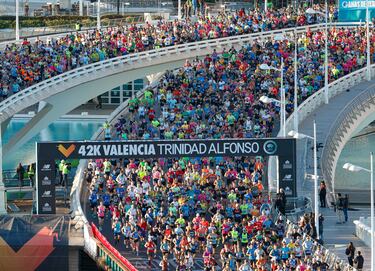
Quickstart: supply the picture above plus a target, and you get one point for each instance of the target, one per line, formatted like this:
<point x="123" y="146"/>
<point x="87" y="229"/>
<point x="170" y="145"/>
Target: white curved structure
<point x="65" y="92"/>
<point x="352" y="119"/>
<point x="313" y="103"/>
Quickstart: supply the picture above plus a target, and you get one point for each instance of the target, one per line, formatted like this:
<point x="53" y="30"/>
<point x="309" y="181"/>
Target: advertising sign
<point x="165" y="148"/>
<point x="46" y="198"/>
<point x="355" y="10"/>
<point x="48" y="152"/>
<point x="287" y="176"/>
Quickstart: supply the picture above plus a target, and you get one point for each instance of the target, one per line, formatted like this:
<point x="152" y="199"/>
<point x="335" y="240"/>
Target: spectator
<point x="279" y="203"/>
<point x="358" y="261"/>
<point x="321" y="226"/>
<point x="31" y="174"/>
<point x="350" y="252"/>
<point x="339" y="209"/>
<point x="20" y="174"/>
<point x="345" y="207"/>
<point x="61" y="168"/>
<point x="322" y="194"/>
<point x="65" y="172"/>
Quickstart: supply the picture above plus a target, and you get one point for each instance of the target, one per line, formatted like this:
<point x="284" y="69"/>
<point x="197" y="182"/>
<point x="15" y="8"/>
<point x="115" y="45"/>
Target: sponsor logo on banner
<point x="46" y="167"/>
<point x="47" y="194"/>
<point x="66" y="151"/>
<point x="288" y="191"/>
<point x="46" y="181"/>
<point x="287" y="165"/>
<point x="287" y="178"/>
<point x="270" y="147"/>
<point x="357" y="4"/>
<point x="46" y="207"/>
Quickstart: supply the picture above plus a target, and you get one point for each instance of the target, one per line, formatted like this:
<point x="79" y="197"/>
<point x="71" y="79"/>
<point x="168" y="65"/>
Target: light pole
<point x="98" y="16"/>
<point x="267" y="100"/>
<point x="179" y="13"/>
<point x="3" y="207"/>
<point x="316" y="177"/>
<point x="354" y="168"/>
<point x="295" y="119"/>
<point x="80" y="7"/>
<point x="368" y="70"/>
<point x="313" y="11"/>
<point x="125" y="7"/>
<point x="17" y="21"/>
<point x="282" y="94"/>
<point x="295" y="107"/>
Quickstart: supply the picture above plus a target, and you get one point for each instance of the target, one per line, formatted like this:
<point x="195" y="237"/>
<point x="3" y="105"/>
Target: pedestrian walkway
<point x="336" y="236"/>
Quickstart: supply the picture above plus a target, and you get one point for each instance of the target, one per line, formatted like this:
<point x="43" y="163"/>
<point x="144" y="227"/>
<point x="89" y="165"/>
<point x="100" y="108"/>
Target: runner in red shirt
<point x="151" y="247"/>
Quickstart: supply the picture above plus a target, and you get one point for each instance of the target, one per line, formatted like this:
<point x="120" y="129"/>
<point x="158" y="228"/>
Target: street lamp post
<point x="17" y="21"/>
<point x="326" y="56"/>
<point x="368" y="68"/>
<point x="282" y="94"/>
<point x="295" y="119"/>
<point x="295" y="107"/>
<point x="80" y="7"/>
<point x="179" y="13"/>
<point x="98" y="16"/>
<point x="2" y="187"/>
<point x="312" y="11"/>
<point x="297" y="135"/>
<point x="267" y="100"/>
<point x="354" y="168"/>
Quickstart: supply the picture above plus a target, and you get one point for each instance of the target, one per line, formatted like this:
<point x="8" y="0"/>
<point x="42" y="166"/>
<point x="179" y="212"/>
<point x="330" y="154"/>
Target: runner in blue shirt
<point x="135" y="240"/>
<point x="93" y="201"/>
<point x="120" y="192"/>
<point x="116" y="230"/>
<point x="284" y="252"/>
<point x="185" y="210"/>
<point x="106" y="200"/>
<point x="251" y="254"/>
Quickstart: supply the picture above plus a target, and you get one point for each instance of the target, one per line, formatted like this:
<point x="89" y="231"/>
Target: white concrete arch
<point x="351" y="120"/>
<point x="71" y="97"/>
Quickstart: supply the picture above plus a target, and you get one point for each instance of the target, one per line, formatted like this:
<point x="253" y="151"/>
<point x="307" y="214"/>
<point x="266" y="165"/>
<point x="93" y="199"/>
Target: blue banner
<point x="355" y="10"/>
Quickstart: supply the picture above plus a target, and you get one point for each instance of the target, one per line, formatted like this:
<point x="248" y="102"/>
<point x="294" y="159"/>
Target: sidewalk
<point x="337" y="236"/>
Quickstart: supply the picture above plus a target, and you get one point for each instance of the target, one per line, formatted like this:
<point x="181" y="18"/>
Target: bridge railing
<point x="13" y="104"/>
<point x="342" y="130"/>
<point x="311" y="104"/>
<point x="8" y="35"/>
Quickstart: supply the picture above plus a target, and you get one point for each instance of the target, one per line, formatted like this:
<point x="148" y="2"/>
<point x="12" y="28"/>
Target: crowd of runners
<point x="211" y="208"/>
<point x="215" y="208"/>
<point x="31" y="62"/>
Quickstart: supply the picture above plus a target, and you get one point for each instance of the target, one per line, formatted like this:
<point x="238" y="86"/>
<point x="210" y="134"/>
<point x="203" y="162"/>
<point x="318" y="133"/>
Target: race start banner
<point x="355" y="10"/>
<point x="48" y="152"/>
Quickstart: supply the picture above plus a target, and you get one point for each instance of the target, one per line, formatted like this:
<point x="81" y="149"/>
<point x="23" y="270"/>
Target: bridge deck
<point x="336" y="236"/>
